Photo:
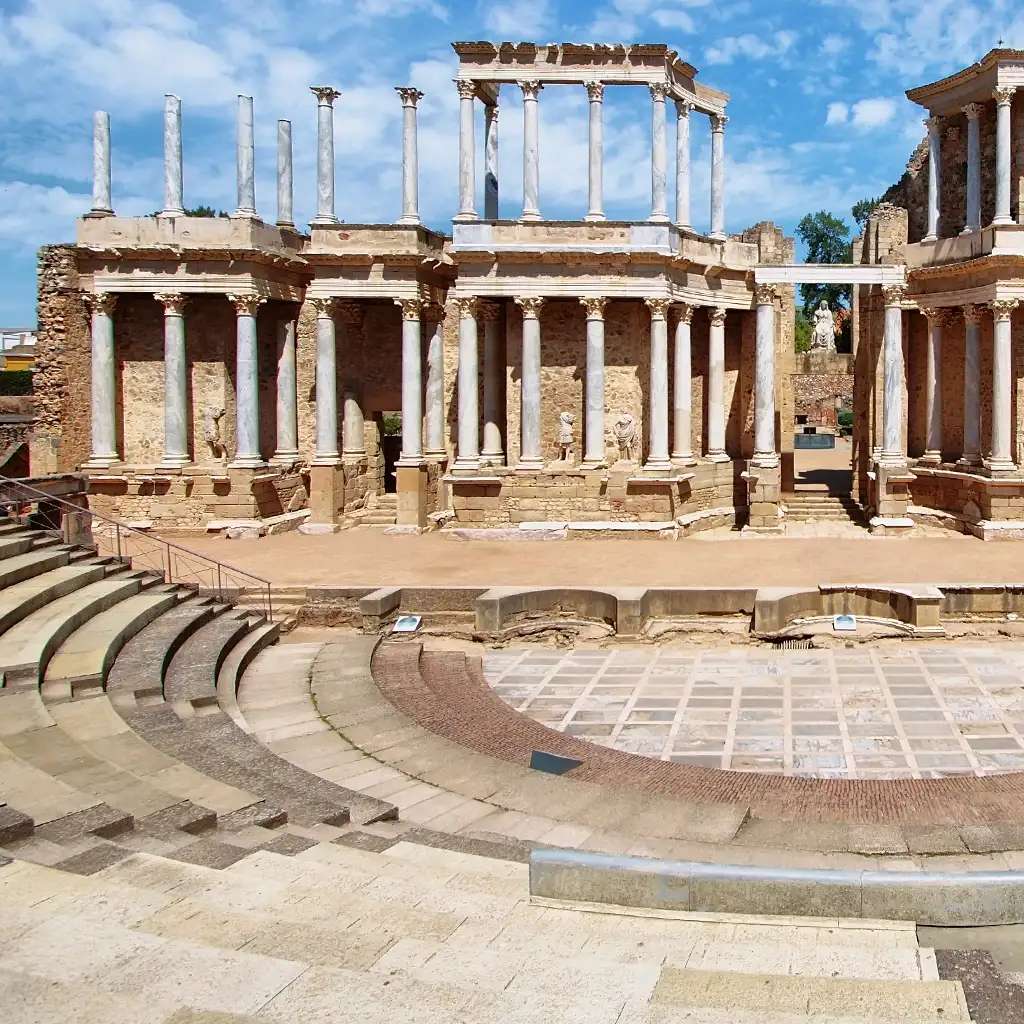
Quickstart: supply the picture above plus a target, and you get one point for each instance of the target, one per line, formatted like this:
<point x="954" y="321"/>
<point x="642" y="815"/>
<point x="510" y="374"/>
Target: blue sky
<point x="818" y="116"/>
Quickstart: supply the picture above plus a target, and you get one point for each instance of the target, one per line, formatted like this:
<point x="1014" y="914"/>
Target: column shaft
<point x="174" y="203"/>
<point x="467" y="153"/>
<point x="412" y="382"/>
<point x="530" y="456"/>
<point x="1004" y="154"/>
<point x="973" y="112"/>
<point x="175" y="381"/>
<point x="718" y="175"/>
<point x="468" y="454"/>
<point x="287" y="395"/>
<point x="716" y="387"/>
<point x="892" y="357"/>
<point x="682" y="390"/>
<point x="531" y="151"/>
<point x="327" y="453"/>
<point x="325" y="97"/>
<point x="1002" y="386"/>
<point x="494" y="373"/>
<point x="103" y="382"/>
<point x="246" y="149"/>
<point x="435" y="441"/>
<point x="934" y="125"/>
<point x="683" y="108"/>
<point x="657" y="450"/>
<point x="764" y="380"/>
<point x="101" y="165"/>
<point x="247" y="383"/>
<point x="491" y="161"/>
<point x="659" y="202"/>
<point x="593" y="452"/>
<point x="354" y="437"/>
<point x="933" y="387"/>
<point x="410" y="157"/>
<point x="595" y="153"/>
<point x="285" y="185"/>
<point x="972" y="386"/>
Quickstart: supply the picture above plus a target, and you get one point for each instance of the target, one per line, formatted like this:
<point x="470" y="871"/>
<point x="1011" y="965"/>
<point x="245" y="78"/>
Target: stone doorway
<point x="823" y="384"/>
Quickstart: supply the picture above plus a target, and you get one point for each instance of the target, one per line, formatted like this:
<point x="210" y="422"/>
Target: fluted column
<point x="287" y="452"/>
<point x="530" y="456"/>
<point x="175" y="381"/>
<point x="325" y="97"/>
<point x="494" y="374"/>
<point x="410" y="157"/>
<point x="683" y="109"/>
<point x="934" y="126"/>
<point x="764" y="376"/>
<point x="467" y="152"/>
<point x="491" y="161"/>
<point x="973" y="112"/>
<point x="659" y="202"/>
<point x="174" y="203"/>
<point x="718" y="122"/>
<point x="353" y="438"/>
<point x="1004" y="153"/>
<point x="433" y="314"/>
<point x="595" y="153"/>
<point x="246" y="160"/>
<point x="247" y="383"/>
<point x="892" y="371"/>
<point x="1001" y="459"/>
<point x="285" y="185"/>
<point x="972" y="386"/>
<point x="657" y="449"/>
<point x="412" y="383"/>
<point x="467" y="455"/>
<point x="326" y="453"/>
<point x="101" y="206"/>
<point x="531" y="151"/>
<point x="103" y="447"/>
<point x="933" y="386"/>
<point x="716" y="386"/>
<point x="593" y="428"/>
<point x="682" y="389"/>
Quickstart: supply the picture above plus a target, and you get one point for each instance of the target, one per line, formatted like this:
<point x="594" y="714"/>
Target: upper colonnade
<point x="484" y="67"/>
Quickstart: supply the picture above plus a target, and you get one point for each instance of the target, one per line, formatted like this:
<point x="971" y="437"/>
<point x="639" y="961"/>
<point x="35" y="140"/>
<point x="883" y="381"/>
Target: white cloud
<point x="516" y="19"/>
<point x="834" y="45"/>
<point x="872" y="113"/>
<point x="751" y="46"/>
<point x="673" y="19"/>
<point x="837" y="113"/>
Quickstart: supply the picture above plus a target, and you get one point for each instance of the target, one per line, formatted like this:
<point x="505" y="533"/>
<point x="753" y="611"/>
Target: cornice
<point x="967" y="268"/>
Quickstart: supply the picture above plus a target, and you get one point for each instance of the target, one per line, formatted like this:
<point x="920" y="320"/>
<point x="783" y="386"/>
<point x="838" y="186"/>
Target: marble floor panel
<point x="871" y="713"/>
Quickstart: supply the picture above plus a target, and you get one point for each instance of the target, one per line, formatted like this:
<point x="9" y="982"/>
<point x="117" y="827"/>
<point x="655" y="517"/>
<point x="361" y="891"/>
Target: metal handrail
<point x="179" y="565"/>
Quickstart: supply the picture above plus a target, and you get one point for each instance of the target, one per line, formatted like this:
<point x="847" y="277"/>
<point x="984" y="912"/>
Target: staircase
<point x="823" y="506"/>
<point x="384" y="511"/>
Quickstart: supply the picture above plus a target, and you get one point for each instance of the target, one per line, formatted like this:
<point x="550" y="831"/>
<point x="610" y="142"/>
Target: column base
<point x="592" y="217"/>
<point x="245" y="215"/>
<point x="324" y="222"/>
<point x="970" y="229"/>
<point x="435" y="455"/>
<point x="592" y="464"/>
<point x="657" y="466"/>
<point x="99" y="463"/>
<point x="285" y="224"/>
<point x="466" y="465"/>
<point x="247" y="462"/>
<point x="659" y="218"/>
<point x="969" y="462"/>
<point x="410" y="462"/>
<point x="718" y="236"/>
<point x="765" y="460"/>
<point x="466" y="217"/>
<point x="717" y="457"/>
<point x="530" y="465"/>
<point x="97" y="212"/>
<point x="171" y="213"/>
<point x="411" y="218"/>
<point x="930" y="238"/>
<point x="286" y="458"/>
<point x="492" y="459"/>
<point x="355" y="455"/>
<point x="326" y="494"/>
<point x="683" y="459"/>
<point x="683" y="227"/>
<point x="173" y="463"/>
<point x="931" y="458"/>
<point x="411" y="481"/>
<point x="1001" y="467"/>
<point x="1000" y="221"/>
<point x="530" y="216"/>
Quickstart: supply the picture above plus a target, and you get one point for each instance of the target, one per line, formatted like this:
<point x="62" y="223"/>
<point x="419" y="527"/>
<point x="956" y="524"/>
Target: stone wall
<point x="818" y="379"/>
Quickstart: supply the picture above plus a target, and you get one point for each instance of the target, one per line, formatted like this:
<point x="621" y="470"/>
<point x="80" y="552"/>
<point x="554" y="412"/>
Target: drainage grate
<point x="792" y="645"/>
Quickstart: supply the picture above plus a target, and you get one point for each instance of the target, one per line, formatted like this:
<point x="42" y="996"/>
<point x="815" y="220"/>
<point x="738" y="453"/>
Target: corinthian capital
<point x="411" y="308"/>
<point x="467" y="307"/>
<point x="764" y="294"/>
<point x="683" y="312"/>
<point x="433" y="312"/>
<point x="100" y="302"/>
<point x="325" y="94"/>
<point x="717" y="316"/>
<point x="718" y="122"/>
<point x="658" y="307"/>
<point x="531" y="90"/>
<point x="1004" y="94"/>
<point x="1002" y="309"/>
<point x="973" y="111"/>
<point x="936" y="317"/>
<point x="684" y="108"/>
<point x="409" y="96"/>
<point x="594" y="307"/>
<point x="173" y="302"/>
<point x="531" y="305"/>
<point x="973" y="314"/>
<point x="246" y="305"/>
<point x="324" y="306"/>
<point x="595" y="90"/>
<point x="659" y="90"/>
<point x="467" y="88"/>
<point x="894" y="294"/>
<point x="933" y="124"/>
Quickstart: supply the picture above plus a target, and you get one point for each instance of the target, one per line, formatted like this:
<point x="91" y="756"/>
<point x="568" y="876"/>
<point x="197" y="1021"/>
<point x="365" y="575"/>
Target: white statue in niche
<point x="625" y="435"/>
<point x="824" y="336"/>
<point x="565" y="422"/>
<point x="211" y="430"/>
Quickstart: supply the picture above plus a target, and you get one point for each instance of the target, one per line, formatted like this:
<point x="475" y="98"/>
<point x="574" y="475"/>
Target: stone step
<point x="83" y="660"/>
<point x="26" y="648"/>
<point x="260" y="636"/>
<point x="31" y="563"/>
<point x="191" y="679"/>
<point x="21" y="599"/>
<point x="18" y="543"/>
<point x="14" y="825"/>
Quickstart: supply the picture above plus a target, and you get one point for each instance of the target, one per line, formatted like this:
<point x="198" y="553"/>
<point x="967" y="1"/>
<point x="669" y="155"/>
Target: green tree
<point x="828" y="241"/>
<point x="802" y="330"/>
<point x="863" y="209"/>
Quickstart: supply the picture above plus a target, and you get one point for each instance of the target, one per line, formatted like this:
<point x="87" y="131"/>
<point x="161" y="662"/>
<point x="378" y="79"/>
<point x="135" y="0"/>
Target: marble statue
<point x="625" y="435"/>
<point x="211" y="430"/>
<point x="565" y="422"/>
<point x="824" y="336"/>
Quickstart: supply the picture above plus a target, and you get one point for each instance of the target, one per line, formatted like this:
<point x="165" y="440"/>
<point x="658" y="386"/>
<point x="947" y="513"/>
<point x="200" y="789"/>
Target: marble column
<point x="410" y="157"/>
<point x="933" y="387"/>
<point x="764" y="377"/>
<point x="101" y="165"/>
<point x="892" y="375"/>
<point x="593" y="428"/>
<point x="174" y="203"/>
<point x="683" y="109"/>
<point x="467" y="455"/>
<point x="530" y="455"/>
<point x="287" y="452"/>
<point x="467" y="152"/>
<point x="716" y="386"/>
<point x="412" y="382"/>
<point x="175" y="381"/>
<point x="595" y="153"/>
<point x="972" y="386"/>
<point x="103" y="447"/>
<point x="682" y="390"/>
<point x="325" y="97"/>
<point x="491" y="161"/>
<point x="1001" y="459"/>
<point x="353" y="439"/>
<point x="326" y="453"/>
<point x="531" y="151"/>
<point x="718" y="122"/>
<point x="436" y="449"/>
<point x="247" y="383"/>
<point x="285" y="187"/>
<point x="934" y="126"/>
<point x="659" y="202"/>
<point x="1004" y="153"/>
<point x="494" y="375"/>
<point x="657" y="450"/>
<point x="246" y="150"/>
<point x="973" y="112"/>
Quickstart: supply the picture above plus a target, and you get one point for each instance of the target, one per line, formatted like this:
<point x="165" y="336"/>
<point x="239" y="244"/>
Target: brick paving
<point x="855" y="714"/>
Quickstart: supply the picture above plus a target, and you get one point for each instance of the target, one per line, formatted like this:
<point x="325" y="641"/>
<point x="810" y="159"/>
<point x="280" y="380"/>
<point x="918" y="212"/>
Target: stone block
<point x="326" y="493"/>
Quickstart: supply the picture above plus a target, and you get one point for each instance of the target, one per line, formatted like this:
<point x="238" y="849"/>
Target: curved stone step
<point x="140" y="667"/>
<point x="17" y="544"/>
<point x="84" y="658"/>
<point x="21" y="599"/>
<point x="26" y="648"/>
<point x="191" y="677"/>
<point x="238" y="660"/>
<point x="31" y="563"/>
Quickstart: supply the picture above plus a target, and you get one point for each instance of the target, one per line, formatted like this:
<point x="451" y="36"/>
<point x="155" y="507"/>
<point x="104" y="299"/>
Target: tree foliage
<point x="863" y="209"/>
<point x="802" y="330"/>
<point x="828" y="241"/>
